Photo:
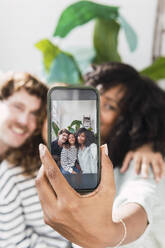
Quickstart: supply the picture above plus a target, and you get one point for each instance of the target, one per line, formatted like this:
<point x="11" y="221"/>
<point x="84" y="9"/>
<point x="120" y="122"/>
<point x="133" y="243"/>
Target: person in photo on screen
<point x="87" y="151"/>
<point x="57" y="145"/>
<point x="69" y="163"/>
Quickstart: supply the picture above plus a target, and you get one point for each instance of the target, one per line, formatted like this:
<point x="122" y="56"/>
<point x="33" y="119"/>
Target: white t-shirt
<point x="149" y="194"/>
<point x="87" y="158"/>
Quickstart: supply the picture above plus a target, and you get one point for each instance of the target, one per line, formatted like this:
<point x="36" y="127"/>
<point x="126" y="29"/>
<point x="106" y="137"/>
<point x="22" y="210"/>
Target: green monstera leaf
<point x="106" y="41"/>
<point x="80" y="13"/>
<point x="64" y="69"/>
<point x="130" y="34"/>
<point x="156" y="71"/>
<point x="59" y="66"/>
<point x="49" y="51"/>
<point x="77" y="124"/>
<point x="55" y="128"/>
<point x="71" y="129"/>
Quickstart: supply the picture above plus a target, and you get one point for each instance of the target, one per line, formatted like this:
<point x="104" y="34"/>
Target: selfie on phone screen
<point x="74" y="136"/>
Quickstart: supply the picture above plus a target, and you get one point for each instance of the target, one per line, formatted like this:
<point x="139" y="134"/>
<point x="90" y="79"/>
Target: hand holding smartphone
<point x="73" y="135"/>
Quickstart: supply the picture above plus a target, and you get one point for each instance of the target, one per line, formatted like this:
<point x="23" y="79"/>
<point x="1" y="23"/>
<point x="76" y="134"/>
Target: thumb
<point x="107" y="176"/>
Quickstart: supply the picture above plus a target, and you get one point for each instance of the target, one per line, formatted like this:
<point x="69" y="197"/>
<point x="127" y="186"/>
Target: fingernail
<point x="42" y="150"/>
<point x="106" y="149"/>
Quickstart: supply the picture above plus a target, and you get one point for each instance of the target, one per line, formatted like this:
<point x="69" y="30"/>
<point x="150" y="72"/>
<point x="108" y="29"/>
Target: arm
<point x="145" y="158"/>
<point x="134" y="216"/>
<point x="86" y="220"/>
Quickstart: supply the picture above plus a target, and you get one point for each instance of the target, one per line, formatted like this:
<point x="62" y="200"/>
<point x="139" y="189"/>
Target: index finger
<point x="126" y="161"/>
<point x="54" y="175"/>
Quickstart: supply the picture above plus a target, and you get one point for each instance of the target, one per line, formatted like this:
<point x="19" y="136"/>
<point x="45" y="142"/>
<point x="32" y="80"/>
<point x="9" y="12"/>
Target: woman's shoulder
<point x="93" y="146"/>
<point x="133" y="186"/>
<point x="130" y="175"/>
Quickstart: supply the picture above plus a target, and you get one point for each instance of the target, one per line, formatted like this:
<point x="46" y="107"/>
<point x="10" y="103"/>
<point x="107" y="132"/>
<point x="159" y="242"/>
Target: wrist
<point x="115" y="235"/>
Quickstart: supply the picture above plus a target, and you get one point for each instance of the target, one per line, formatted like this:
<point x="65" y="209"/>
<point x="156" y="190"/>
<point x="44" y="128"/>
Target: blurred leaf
<point x="130" y="34"/>
<point x="64" y="69"/>
<point x="106" y="41"/>
<point x="156" y="71"/>
<point x="76" y="122"/>
<point x="71" y="129"/>
<point x="55" y="128"/>
<point x="49" y="50"/>
<point x="77" y="127"/>
<point x="84" y="57"/>
<point x="80" y="13"/>
<point x="90" y="129"/>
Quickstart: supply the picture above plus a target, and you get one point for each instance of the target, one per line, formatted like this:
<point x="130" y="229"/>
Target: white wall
<point x="23" y="23"/>
<point x="64" y="112"/>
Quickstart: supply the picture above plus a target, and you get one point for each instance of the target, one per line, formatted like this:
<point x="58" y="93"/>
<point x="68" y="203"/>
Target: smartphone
<point x="74" y="135"/>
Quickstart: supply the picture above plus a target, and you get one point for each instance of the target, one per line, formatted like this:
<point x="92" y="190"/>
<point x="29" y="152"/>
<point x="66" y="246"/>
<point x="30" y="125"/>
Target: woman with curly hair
<point x="87" y="152"/>
<point x="125" y="209"/>
<point x="130" y="121"/>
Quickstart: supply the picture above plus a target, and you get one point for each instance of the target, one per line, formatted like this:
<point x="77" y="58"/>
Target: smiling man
<point x="57" y="145"/>
<point x="22" y="113"/>
<point x="21" y="98"/>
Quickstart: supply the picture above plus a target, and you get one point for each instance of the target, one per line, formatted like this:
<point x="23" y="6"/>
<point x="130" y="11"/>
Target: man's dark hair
<point x="63" y="130"/>
<point x="89" y="136"/>
<point x="142" y="107"/>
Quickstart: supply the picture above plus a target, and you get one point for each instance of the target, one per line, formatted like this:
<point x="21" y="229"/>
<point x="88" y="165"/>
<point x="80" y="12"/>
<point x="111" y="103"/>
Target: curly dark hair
<point x="89" y="136"/>
<point x="141" y="119"/>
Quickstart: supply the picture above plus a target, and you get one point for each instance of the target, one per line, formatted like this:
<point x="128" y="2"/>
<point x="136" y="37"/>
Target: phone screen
<point x="73" y="120"/>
